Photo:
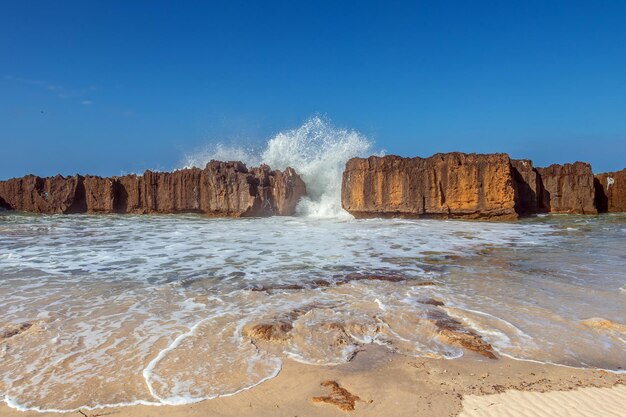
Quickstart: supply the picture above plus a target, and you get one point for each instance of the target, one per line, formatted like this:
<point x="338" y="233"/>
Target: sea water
<point x="122" y="309"/>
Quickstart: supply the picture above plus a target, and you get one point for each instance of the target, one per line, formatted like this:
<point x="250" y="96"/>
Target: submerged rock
<point x="610" y="190"/>
<point x="220" y="189"/>
<point x="452" y="332"/>
<point x="276" y="331"/>
<point x="453" y="185"/>
<point x="11" y="330"/>
<point x="14" y="330"/>
<point x="600" y="323"/>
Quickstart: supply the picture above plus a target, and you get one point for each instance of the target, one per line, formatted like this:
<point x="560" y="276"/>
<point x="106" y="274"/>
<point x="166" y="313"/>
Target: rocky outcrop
<point x="42" y="195"/>
<point x="611" y="191"/>
<point x="453" y="185"/>
<point x="220" y="189"/>
<point x="567" y="188"/>
<point x="527" y="186"/>
<point x="472" y="186"/>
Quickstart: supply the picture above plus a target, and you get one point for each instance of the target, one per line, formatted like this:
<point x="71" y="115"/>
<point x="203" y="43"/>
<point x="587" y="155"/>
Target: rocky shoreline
<point x="445" y="185"/>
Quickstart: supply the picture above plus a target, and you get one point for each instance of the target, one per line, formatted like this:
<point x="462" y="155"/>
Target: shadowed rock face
<point x="567" y="188"/>
<point x="611" y="191"/>
<point x="221" y="189"/>
<point x="528" y="186"/>
<point x="453" y="185"/>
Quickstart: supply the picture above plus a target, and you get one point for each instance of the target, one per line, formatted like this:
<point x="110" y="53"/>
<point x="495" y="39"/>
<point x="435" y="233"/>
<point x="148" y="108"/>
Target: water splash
<point x="317" y="150"/>
<point x="221" y="152"/>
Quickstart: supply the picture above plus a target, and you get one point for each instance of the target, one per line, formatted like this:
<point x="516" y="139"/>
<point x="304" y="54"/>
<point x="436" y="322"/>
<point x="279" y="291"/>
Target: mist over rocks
<point x="474" y="186"/>
<point x="223" y="189"/>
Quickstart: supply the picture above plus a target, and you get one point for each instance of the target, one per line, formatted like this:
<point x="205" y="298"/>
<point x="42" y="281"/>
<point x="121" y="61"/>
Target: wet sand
<point x="377" y="382"/>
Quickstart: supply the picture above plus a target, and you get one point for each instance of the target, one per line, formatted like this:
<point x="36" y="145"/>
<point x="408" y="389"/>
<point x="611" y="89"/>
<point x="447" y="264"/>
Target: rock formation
<point x="528" y="186"/>
<point x="567" y="188"/>
<point x="453" y="185"/>
<point x="611" y="191"/>
<point x="220" y="189"/>
<point x="471" y="186"/>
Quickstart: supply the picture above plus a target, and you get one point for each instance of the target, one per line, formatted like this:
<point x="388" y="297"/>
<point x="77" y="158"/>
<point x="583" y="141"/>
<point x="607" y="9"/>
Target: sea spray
<point x="317" y="150"/>
<point x="221" y="152"/>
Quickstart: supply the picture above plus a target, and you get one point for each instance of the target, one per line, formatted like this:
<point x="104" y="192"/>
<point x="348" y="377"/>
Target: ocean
<point x="109" y="310"/>
<point x="128" y="309"/>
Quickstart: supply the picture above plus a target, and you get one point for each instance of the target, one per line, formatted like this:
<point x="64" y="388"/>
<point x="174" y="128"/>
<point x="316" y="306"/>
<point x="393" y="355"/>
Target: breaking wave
<point x="317" y="150"/>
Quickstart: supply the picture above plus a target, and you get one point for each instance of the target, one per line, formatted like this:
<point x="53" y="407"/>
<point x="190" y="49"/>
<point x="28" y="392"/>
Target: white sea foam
<point x="319" y="152"/>
<point x="152" y="309"/>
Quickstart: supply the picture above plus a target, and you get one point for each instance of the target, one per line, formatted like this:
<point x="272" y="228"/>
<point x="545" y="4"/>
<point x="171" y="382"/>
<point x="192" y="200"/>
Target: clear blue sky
<point x="110" y="87"/>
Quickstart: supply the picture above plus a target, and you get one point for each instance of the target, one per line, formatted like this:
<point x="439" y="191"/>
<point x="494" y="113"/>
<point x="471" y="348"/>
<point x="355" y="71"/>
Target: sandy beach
<point x="377" y="382"/>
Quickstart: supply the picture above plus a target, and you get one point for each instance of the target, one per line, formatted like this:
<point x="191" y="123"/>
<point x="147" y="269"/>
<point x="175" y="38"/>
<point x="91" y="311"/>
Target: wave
<point x="317" y="150"/>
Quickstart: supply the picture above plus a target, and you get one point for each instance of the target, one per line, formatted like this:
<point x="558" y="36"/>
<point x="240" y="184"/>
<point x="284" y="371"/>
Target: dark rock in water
<point x="14" y="330"/>
<point x="431" y="302"/>
<point x="355" y="276"/>
<point x="220" y="189"/>
<point x="452" y="185"/>
<point x="611" y="191"/>
<point x="452" y="332"/>
<point x="279" y="287"/>
<point x="567" y="188"/>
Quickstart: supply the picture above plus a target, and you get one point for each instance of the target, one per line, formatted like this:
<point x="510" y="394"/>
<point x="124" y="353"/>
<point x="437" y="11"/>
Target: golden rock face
<point x="453" y="185"/>
<point x="567" y="188"/>
<point x="475" y="186"/>
<point x="220" y="189"/>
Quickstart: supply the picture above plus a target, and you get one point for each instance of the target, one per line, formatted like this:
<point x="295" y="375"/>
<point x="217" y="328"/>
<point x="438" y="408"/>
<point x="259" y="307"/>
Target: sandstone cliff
<point x="611" y="191"/>
<point x="458" y="185"/>
<point x="220" y="189"/>
<point x="567" y="188"/>
<point x="453" y="185"/>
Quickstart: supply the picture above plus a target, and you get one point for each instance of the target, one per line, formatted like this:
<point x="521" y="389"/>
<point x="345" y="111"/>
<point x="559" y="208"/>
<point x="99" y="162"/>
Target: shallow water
<point x="158" y="309"/>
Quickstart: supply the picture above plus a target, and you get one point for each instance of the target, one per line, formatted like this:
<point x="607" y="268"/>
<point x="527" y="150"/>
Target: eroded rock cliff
<point x="453" y="185"/>
<point x="567" y="188"/>
<point x="458" y="185"/>
<point x="220" y="189"/>
<point x="611" y="191"/>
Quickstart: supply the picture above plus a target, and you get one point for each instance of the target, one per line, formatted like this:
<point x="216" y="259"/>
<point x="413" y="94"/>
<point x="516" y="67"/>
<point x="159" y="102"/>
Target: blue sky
<point x="112" y="87"/>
